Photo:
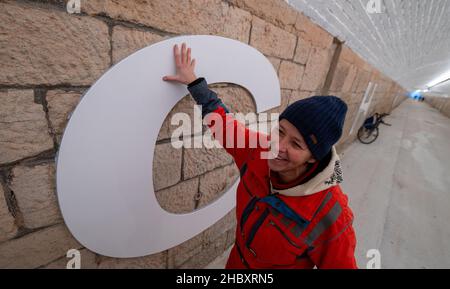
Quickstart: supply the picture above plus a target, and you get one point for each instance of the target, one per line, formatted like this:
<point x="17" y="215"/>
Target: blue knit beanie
<point x="320" y="120"/>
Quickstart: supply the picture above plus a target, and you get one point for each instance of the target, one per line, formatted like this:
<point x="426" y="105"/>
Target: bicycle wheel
<point x="367" y="136"/>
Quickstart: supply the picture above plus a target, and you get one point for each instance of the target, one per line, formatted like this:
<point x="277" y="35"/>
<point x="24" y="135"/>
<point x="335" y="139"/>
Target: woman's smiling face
<point x="293" y="153"/>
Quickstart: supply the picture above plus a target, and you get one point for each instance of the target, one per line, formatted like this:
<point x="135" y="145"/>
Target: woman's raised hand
<point x="184" y="66"/>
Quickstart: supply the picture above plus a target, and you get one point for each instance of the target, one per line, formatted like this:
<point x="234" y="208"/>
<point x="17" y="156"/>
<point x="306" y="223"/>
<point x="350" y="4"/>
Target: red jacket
<point x="304" y="226"/>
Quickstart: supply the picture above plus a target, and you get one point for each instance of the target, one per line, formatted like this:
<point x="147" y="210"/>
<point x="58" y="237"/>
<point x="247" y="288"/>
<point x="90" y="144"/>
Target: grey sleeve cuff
<point x="205" y="97"/>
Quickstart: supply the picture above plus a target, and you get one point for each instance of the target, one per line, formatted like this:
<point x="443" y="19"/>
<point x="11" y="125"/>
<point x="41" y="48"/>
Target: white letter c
<point x="105" y="161"/>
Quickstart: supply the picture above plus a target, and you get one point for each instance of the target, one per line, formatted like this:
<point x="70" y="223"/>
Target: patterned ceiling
<point x="408" y="40"/>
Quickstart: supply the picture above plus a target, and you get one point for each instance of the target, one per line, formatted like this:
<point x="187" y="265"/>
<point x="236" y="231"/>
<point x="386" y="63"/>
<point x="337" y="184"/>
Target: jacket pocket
<point x="272" y="246"/>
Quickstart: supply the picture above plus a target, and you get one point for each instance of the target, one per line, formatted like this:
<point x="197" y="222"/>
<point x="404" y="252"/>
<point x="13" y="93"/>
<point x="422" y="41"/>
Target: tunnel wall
<point x="440" y="103"/>
<point x="50" y="58"/>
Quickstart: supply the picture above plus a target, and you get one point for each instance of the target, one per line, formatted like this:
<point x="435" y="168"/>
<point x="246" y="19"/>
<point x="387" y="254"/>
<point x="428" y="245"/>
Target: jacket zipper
<point x="246" y="213"/>
<point x="246" y="187"/>
<point x="241" y="256"/>
<point x="255" y="228"/>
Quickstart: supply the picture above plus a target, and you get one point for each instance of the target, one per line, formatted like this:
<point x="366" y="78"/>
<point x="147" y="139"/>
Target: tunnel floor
<point x="398" y="188"/>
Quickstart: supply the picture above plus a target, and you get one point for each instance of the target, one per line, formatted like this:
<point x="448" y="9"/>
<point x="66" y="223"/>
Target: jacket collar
<point x="330" y="176"/>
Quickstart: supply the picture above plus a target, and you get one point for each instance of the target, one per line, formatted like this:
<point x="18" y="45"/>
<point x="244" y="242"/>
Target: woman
<point x="291" y="212"/>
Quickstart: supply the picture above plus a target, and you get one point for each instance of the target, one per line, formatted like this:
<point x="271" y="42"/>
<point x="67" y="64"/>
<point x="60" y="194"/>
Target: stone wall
<point x="50" y="58"/>
<point x="440" y="103"/>
<point x="350" y="80"/>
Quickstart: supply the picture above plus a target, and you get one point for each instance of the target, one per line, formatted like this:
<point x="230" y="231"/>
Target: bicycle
<point x="369" y="131"/>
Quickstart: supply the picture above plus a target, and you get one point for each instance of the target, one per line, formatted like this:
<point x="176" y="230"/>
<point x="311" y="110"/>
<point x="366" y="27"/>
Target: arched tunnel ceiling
<point x="408" y="41"/>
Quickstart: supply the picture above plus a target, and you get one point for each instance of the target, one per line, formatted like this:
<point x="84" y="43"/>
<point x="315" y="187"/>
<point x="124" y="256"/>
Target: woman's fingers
<point x="188" y="58"/>
<point x="176" y="55"/>
<point x="182" y="57"/>
<point x="184" y="65"/>
<point x="170" y="78"/>
<point x="183" y="53"/>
